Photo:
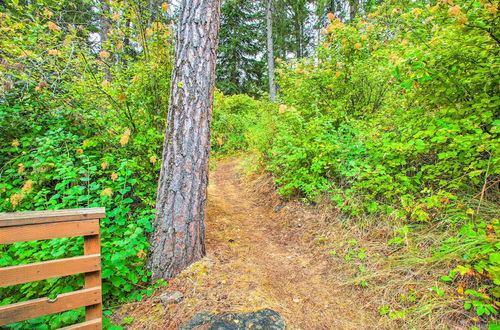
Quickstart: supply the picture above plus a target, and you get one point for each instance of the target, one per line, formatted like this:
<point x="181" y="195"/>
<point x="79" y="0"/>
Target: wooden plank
<point x="37" y="217"/>
<point x="95" y="324"/>
<point x="40" y="307"/>
<point x="49" y="269"/>
<point x="48" y="231"/>
<point x="92" y="245"/>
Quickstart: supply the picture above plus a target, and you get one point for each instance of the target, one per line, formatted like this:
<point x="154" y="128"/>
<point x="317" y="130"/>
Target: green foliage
<point x="233" y="118"/>
<point x="356" y="256"/>
<point x="478" y="247"/>
<point x="82" y="126"/>
<point x="377" y="117"/>
<point x="57" y="168"/>
<point x="397" y="118"/>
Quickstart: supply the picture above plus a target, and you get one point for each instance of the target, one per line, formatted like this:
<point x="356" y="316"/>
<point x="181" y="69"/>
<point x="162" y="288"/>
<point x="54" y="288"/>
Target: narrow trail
<point x="252" y="263"/>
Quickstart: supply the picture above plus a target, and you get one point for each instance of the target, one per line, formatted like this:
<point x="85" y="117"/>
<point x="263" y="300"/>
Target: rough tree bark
<point x="270" y="49"/>
<point x="179" y="228"/>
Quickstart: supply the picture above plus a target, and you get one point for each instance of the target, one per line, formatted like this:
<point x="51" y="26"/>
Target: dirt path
<point x="253" y="261"/>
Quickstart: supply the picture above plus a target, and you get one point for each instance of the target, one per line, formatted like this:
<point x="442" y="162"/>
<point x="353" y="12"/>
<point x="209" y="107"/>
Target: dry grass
<point x="399" y="276"/>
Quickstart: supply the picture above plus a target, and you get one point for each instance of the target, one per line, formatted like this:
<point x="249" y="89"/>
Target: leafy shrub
<point x="397" y="118"/>
<point x="376" y="116"/>
<point x="82" y="127"/>
<point x="233" y="117"/>
<point x="58" y="168"/>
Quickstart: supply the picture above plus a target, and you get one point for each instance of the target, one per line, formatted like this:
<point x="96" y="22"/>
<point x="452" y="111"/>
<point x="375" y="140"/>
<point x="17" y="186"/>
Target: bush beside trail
<point x="396" y="121"/>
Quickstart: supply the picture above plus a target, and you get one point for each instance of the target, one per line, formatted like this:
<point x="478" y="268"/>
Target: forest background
<point x="387" y="112"/>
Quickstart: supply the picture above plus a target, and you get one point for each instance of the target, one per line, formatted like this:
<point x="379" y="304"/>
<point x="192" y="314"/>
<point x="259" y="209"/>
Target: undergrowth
<point x="80" y="129"/>
<point x="396" y="123"/>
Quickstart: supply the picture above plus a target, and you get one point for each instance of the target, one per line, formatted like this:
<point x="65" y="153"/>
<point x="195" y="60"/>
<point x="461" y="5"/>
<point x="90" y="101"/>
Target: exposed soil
<point x="258" y="256"/>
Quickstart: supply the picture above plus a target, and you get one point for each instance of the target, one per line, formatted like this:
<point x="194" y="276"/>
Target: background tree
<point x="240" y="68"/>
<point x="179" y="229"/>
<point x="292" y="28"/>
<point x="270" y="49"/>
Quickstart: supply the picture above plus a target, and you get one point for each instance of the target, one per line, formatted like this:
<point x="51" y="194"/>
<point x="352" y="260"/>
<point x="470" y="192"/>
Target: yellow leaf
<point x="416" y="12"/>
<point x="53" y="27"/>
<point x="462" y="19"/>
<point x="104" y="54"/>
<point x="141" y="254"/>
<point x="492" y="8"/>
<point x="114" y="176"/>
<point x="48" y="13"/>
<point x="107" y="192"/>
<point x="454" y="11"/>
<point x="125" y="137"/>
<point x="16" y="199"/>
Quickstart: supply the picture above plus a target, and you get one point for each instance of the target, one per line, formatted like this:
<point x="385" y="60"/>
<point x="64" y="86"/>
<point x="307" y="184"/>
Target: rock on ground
<point x="171" y="297"/>
<point x="263" y="319"/>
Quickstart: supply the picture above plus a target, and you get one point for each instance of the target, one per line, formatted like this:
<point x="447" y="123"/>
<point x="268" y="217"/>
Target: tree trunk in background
<point x="105" y="26"/>
<point x="270" y="49"/>
<point x="179" y="228"/>
<point x="298" y="39"/>
<point x="353" y="9"/>
<point x="153" y="10"/>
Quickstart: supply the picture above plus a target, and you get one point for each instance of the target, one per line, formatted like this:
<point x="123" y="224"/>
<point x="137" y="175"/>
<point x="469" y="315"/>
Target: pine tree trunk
<point x="179" y="228"/>
<point x="270" y="49"/>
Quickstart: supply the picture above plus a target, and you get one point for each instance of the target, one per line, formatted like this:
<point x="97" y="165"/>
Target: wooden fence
<point x="42" y="225"/>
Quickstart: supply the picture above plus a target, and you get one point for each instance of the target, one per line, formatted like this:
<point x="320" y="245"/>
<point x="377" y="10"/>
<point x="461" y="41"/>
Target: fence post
<point x="92" y="245"/>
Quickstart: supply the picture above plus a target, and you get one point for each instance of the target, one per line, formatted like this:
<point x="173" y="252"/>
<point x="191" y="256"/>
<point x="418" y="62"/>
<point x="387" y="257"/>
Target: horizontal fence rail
<point x="41" y="225"/>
